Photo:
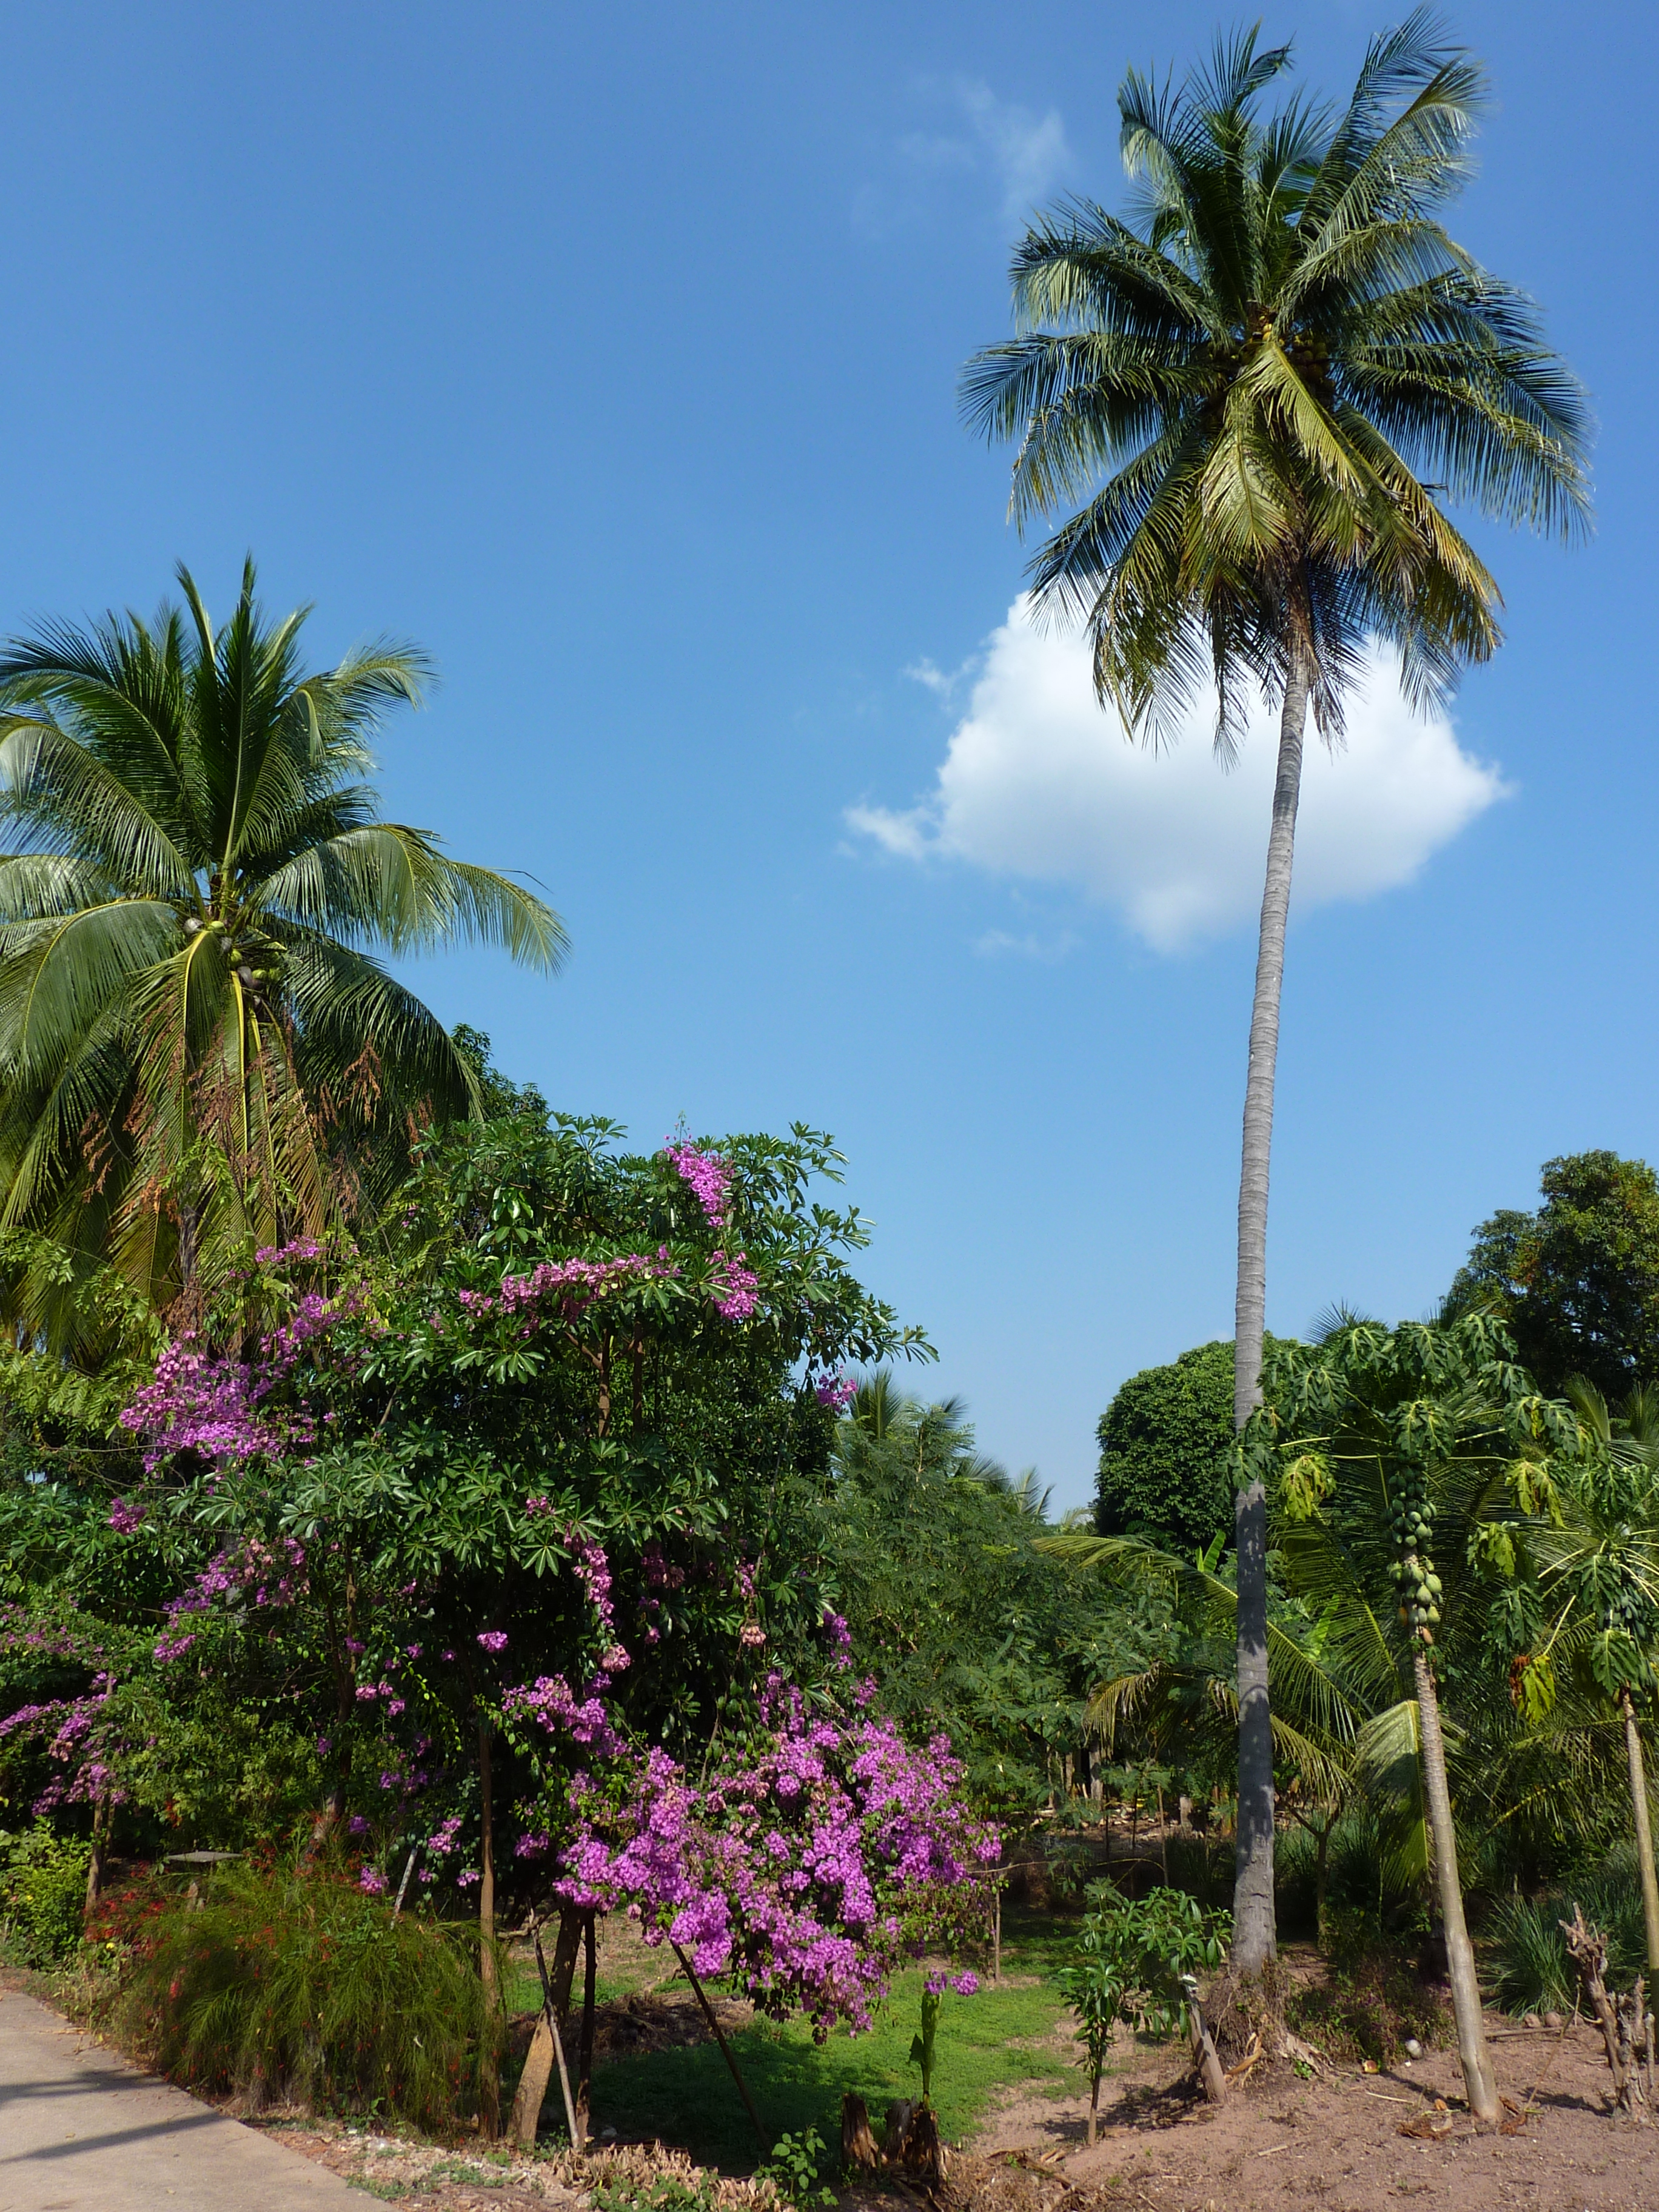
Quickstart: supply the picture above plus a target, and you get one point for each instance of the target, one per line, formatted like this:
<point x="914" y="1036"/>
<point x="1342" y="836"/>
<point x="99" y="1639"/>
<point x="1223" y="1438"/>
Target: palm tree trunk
<point x="1477" y="2081"/>
<point x="1255" y="1933"/>
<point x="1639" y="1798"/>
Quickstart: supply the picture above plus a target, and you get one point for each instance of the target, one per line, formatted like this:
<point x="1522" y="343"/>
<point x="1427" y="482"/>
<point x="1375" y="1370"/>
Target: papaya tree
<point x="1410" y="1467"/>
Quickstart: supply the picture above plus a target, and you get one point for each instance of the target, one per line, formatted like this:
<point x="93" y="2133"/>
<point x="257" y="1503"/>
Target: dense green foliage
<point x="1577" y="1281"/>
<point x="43" y="1890"/>
<point x="1166" y="1453"/>
<point x="968" y="1627"/>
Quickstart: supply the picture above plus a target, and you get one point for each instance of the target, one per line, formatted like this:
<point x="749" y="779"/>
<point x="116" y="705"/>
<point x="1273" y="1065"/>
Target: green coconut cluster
<point x="1411" y="1519"/>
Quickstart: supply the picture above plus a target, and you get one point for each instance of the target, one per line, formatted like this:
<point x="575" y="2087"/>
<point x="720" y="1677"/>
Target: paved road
<point x="82" y="2131"/>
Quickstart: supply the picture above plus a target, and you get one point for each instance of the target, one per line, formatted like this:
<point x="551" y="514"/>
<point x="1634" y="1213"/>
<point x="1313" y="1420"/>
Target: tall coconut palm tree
<point x="1254" y="394"/>
<point x="199" y="1052"/>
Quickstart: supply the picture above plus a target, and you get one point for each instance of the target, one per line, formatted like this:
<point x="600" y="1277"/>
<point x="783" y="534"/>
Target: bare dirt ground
<point x="1332" y="2144"/>
<point x="1328" y="2144"/>
<point x="1335" y="2142"/>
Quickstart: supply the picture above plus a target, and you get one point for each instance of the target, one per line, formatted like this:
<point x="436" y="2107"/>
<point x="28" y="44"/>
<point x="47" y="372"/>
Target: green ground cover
<point x="1002" y="2038"/>
<point x="999" y="2038"/>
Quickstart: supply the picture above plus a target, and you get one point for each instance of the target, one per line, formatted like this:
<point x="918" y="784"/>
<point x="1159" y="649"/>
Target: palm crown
<point x="198" y="1046"/>
<point x="1265" y="368"/>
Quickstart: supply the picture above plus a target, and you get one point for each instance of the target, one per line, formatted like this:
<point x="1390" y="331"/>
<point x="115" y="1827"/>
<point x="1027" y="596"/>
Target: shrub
<point x="43" y="1888"/>
<point x="1131" y="1964"/>
<point x="1527" y="1961"/>
<point x="1376" y="1895"/>
<point x="291" y="1982"/>
<point x="1369" y="2001"/>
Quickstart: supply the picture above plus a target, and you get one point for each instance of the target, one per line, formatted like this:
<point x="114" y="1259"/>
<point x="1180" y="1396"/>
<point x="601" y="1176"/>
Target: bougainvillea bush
<point x="806" y="1863"/>
<point x="565" y="1423"/>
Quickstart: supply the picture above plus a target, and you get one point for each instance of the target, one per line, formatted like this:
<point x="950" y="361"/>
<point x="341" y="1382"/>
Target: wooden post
<point x="547" y="2046"/>
<point x="403" y="1886"/>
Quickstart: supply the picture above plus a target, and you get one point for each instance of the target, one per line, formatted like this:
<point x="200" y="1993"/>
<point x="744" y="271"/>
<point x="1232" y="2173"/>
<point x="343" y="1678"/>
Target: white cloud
<point x="1028" y="153"/>
<point x="996" y="942"/>
<point x="1038" y="783"/>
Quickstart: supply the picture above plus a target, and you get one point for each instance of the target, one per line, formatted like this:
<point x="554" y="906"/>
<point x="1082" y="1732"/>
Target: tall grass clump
<point x="289" y="1984"/>
<point x="1526" y="1965"/>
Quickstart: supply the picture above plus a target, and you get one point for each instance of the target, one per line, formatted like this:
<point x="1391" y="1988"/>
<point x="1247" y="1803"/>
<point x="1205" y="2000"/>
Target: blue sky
<point x="610" y="353"/>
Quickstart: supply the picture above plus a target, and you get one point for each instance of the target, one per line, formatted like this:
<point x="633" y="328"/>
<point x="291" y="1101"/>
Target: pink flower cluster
<point x="708" y="1175"/>
<point x="124" y="1518"/>
<point x="838" y="1392"/>
<point x="271" y="1574"/>
<point x="569" y="1282"/>
<point x="965" y="1984"/>
<point x="806" y="1869"/>
<point x="593" y="1569"/>
<point x="446" y="1837"/>
<point x="78" y="1741"/>
<point x="552" y="1703"/>
<point x="732" y="1285"/>
<point x="834" y="1626"/>
<point x="208" y="1405"/>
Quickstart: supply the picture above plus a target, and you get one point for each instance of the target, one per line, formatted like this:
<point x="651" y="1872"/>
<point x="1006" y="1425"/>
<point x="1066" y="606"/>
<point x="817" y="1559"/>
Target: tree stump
<point x="859" y="2148"/>
<point x="1624" y="2021"/>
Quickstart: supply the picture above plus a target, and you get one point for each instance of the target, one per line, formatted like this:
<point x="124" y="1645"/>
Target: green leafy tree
<point x="1258" y="389"/>
<point x="1577" y="1281"/>
<point x="1167" y="1452"/>
<point x="1131" y="1964"/>
<point x="969" y="1625"/>
<point x="1417" y="1460"/>
<point x="199" y="1052"/>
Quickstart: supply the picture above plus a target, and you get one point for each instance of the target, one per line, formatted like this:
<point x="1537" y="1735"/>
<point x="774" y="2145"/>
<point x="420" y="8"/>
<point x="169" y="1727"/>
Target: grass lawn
<point x="688" y="2097"/>
<point x="997" y="2039"/>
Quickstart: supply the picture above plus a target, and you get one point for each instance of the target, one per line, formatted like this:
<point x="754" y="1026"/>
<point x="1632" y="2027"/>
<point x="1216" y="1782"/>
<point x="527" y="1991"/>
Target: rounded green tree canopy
<point x="1165" y="1448"/>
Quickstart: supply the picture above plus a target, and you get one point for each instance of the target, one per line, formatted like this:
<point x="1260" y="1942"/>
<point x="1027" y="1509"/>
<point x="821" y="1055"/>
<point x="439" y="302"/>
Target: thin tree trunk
<point x="489" y="2082"/>
<point x="1639" y="1798"/>
<point x="1322" y="1877"/>
<point x="102" y="1815"/>
<point x="585" y="2054"/>
<point x="547" y="2046"/>
<point x="1254" y="1931"/>
<point x="1477" y="2081"/>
